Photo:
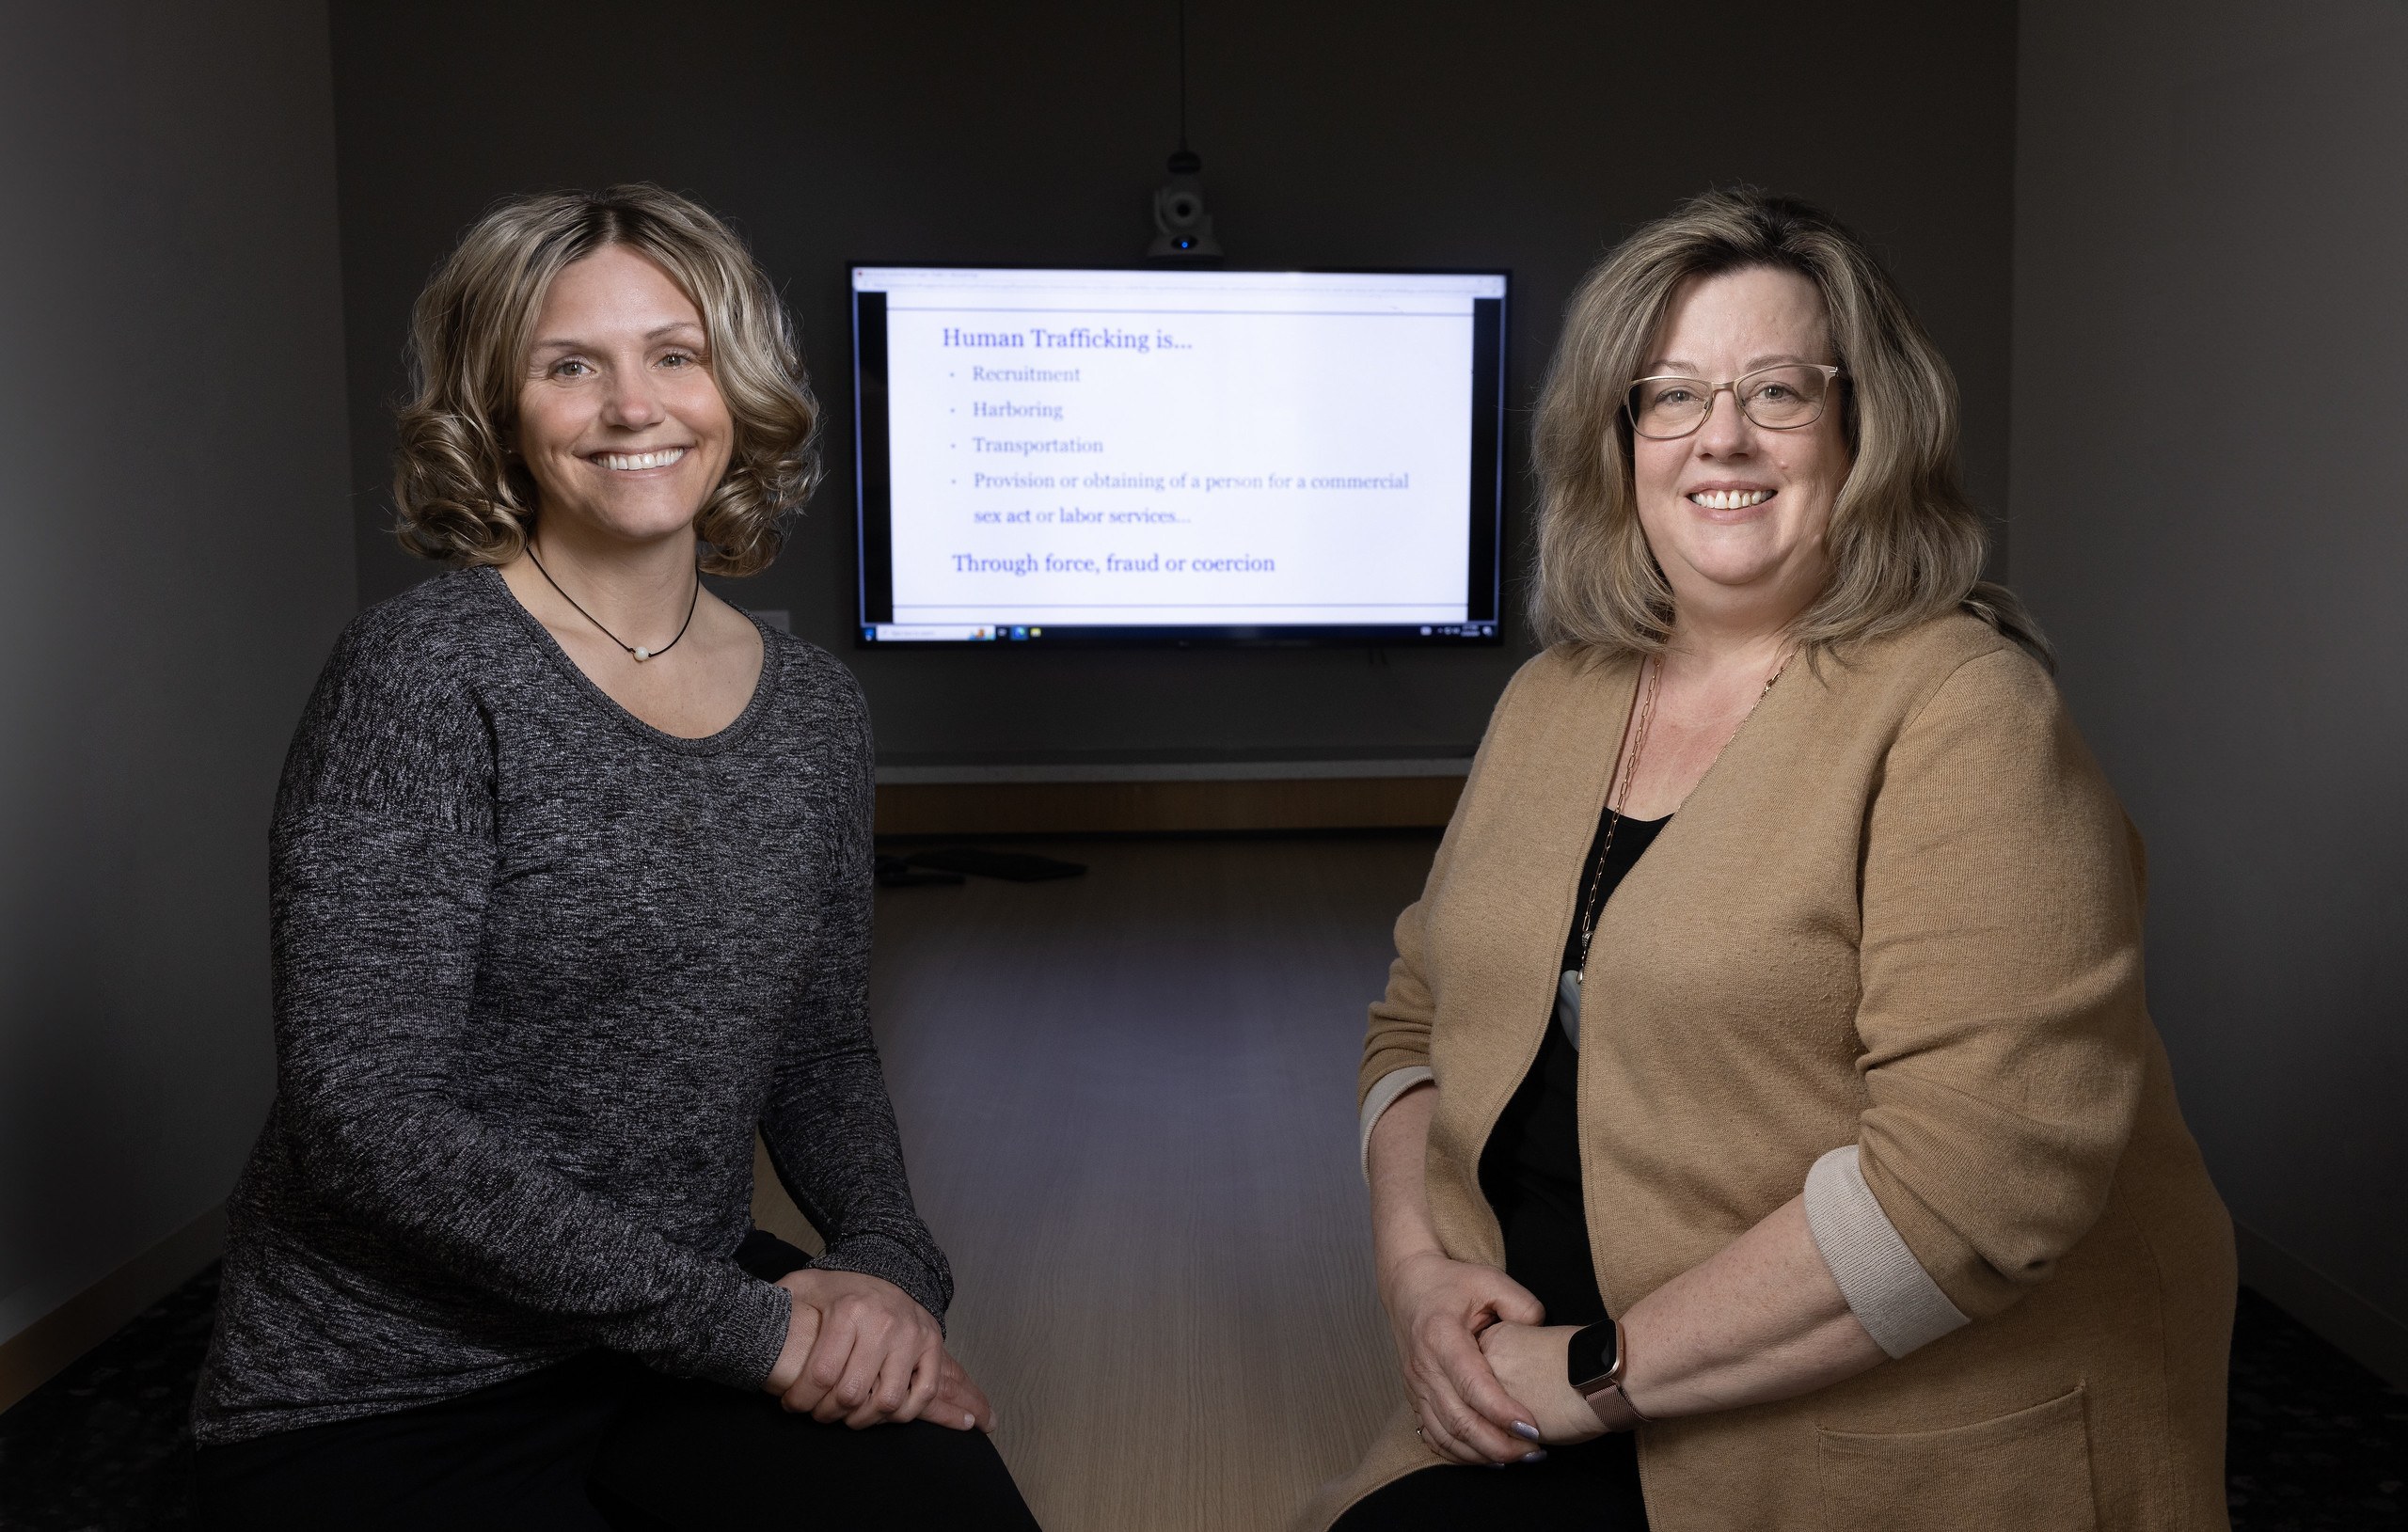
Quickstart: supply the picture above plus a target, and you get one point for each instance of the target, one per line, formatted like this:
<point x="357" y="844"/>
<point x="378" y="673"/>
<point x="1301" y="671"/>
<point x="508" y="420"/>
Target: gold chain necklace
<point x="1613" y="816"/>
<point x="1594" y="904"/>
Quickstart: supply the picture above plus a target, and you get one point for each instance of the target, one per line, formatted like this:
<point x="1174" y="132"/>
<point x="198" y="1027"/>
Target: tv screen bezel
<point x="1485" y="529"/>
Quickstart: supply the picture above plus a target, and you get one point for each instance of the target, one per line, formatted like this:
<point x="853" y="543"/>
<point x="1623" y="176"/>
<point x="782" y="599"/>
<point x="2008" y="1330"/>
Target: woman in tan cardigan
<point x="1777" y="988"/>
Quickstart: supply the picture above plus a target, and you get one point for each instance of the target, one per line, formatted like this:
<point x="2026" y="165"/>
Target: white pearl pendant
<point x="642" y="654"/>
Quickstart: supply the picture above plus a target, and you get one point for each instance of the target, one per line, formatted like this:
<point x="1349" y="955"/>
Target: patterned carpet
<point x="2319" y="1444"/>
<point x="102" y="1445"/>
<point x="2315" y="1443"/>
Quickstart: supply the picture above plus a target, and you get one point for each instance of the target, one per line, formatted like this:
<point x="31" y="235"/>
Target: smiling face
<point x="619" y="420"/>
<point x="1735" y="513"/>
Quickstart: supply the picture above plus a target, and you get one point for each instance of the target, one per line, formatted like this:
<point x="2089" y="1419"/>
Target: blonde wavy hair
<point x="463" y="493"/>
<point x="1906" y="545"/>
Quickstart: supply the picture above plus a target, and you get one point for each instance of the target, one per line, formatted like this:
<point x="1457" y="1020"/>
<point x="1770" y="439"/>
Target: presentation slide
<point x="1069" y="453"/>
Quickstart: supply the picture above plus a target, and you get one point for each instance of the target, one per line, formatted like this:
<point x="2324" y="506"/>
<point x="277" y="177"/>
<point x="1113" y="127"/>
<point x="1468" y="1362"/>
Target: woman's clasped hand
<point x="861" y="1351"/>
<point x="1438" y="1309"/>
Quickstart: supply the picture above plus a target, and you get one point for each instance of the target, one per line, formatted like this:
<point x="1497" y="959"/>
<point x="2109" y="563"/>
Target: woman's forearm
<point x="1438" y="1306"/>
<point x="1396" y="1166"/>
<point x="1763" y="1320"/>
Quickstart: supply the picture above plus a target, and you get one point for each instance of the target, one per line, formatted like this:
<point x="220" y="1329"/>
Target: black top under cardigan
<point x="1530" y="1169"/>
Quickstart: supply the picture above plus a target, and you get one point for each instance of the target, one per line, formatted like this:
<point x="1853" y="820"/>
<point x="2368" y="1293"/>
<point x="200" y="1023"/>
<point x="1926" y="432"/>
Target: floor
<point x="1126" y="1098"/>
<point x="1179" y="1326"/>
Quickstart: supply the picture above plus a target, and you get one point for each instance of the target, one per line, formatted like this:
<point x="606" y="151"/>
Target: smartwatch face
<point x="1591" y="1354"/>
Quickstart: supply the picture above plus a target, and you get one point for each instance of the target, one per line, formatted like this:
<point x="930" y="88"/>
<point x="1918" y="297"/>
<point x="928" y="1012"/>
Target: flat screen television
<point x="1071" y="457"/>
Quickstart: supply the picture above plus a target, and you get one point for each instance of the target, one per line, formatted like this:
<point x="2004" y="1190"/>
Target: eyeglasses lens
<point x="1777" y="398"/>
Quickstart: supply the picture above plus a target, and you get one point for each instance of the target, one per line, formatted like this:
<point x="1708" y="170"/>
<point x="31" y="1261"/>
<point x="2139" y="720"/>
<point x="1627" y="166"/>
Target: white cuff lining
<point x="1382" y="1095"/>
<point x="1887" y="1291"/>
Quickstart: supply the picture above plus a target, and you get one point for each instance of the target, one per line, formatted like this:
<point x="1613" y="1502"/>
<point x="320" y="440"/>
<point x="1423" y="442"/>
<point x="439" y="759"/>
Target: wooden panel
<point x="1127" y="1102"/>
<point x="2322" y="1305"/>
<point x="1161" y="807"/>
<point x="52" y="1344"/>
<point x="773" y="1211"/>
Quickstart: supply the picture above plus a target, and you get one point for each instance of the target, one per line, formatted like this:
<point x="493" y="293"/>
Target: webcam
<point x="1184" y="230"/>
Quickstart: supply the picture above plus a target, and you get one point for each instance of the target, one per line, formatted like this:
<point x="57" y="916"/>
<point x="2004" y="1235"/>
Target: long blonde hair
<point x="465" y="496"/>
<point x="1906" y="545"/>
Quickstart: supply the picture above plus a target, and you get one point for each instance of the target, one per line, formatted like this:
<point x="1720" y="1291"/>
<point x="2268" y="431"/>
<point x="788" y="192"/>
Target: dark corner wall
<point x="1393" y="134"/>
<point x="179" y="559"/>
<point x="2211" y="516"/>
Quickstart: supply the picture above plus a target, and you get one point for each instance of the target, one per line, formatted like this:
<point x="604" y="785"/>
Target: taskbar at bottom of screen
<point x="1234" y="635"/>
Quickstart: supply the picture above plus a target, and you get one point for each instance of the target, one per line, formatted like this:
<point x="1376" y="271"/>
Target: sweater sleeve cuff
<point x="1887" y="1291"/>
<point x="1382" y="1095"/>
<point x="874" y="1255"/>
<point x="743" y="1344"/>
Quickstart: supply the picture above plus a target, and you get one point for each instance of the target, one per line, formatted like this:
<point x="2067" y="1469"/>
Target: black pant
<point x="601" y="1442"/>
<point x="1593" y="1487"/>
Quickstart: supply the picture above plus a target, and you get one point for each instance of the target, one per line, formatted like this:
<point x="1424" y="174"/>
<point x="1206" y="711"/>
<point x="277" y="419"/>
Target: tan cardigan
<point x="1902" y="911"/>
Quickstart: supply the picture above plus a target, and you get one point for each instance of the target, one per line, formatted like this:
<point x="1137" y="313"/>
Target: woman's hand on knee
<point x="803" y="1328"/>
<point x="958" y="1403"/>
<point x="1437" y="1308"/>
<point x="873" y="1355"/>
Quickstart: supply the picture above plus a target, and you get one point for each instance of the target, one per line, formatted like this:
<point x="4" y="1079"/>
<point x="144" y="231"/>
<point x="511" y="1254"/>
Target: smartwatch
<point x="1595" y="1361"/>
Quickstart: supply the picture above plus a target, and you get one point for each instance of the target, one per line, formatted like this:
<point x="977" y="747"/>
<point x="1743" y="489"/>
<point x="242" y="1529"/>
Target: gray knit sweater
<point x="539" y="971"/>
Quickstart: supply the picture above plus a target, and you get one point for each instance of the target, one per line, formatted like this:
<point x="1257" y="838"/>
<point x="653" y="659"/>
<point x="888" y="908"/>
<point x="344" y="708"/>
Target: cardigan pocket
<point x="2028" y="1471"/>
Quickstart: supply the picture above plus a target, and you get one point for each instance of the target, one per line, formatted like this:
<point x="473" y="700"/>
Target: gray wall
<point x="2211" y="471"/>
<point x="1397" y="132"/>
<point x="180" y="556"/>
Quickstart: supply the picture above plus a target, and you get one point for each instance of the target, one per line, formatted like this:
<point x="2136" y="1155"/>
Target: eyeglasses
<point x="1780" y="397"/>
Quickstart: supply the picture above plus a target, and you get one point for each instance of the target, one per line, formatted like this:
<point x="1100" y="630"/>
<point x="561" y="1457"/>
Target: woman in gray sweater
<point x="571" y="892"/>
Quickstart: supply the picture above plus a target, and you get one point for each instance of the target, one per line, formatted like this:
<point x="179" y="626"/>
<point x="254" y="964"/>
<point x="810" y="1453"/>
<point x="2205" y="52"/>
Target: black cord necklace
<point x="641" y="654"/>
